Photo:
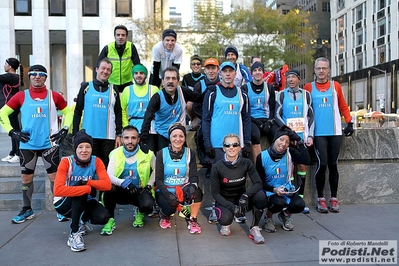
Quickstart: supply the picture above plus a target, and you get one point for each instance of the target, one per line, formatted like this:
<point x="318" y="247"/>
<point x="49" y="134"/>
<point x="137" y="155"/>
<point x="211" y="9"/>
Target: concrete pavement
<point x="42" y="241"/>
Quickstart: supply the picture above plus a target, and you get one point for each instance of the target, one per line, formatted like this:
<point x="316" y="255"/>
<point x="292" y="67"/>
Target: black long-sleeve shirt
<point x="299" y="155"/>
<point x="198" y="88"/>
<point x="100" y="87"/>
<point x="9" y="84"/>
<point x="228" y="181"/>
<point x="155" y="104"/>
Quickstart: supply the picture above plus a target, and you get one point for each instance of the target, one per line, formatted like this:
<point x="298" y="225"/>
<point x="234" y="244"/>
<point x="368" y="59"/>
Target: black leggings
<point x="327" y="151"/>
<point x="15" y="124"/>
<point x="168" y="209"/>
<point x="118" y="195"/>
<point x="225" y="216"/>
<point x="102" y="148"/>
<point x="277" y="203"/>
<point x="79" y="208"/>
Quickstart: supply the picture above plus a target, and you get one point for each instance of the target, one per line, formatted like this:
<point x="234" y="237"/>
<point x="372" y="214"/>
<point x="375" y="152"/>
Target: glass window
<point x="90" y="8"/>
<point x="359" y="13"/>
<point x="325" y="7"/>
<point x="341" y="24"/>
<point x="22" y="7"/>
<point x="381" y="54"/>
<point x="56" y="7"/>
<point x="381" y="27"/>
<point x="359" y="37"/>
<point x="381" y="4"/>
<point x="123" y="8"/>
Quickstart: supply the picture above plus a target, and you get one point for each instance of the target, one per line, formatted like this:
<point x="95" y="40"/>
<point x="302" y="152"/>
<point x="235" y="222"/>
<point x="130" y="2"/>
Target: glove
<point x="294" y="136"/>
<point x="129" y="186"/>
<point x="266" y="126"/>
<point x="191" y="195"/>
<point x="172" y="200"/>
<point x="243" y="204"/>
<point x="81" y="182"/>
<point x="348" y="131"/>
<point x="237" y="212"/>
<point x="210" y="152"/>
<point x="60" y="135"/>
<point x="144" y="147"/>
<point x="246" y="151"/>
<point x="21" y="136"/>
<point x="146" y="189"/>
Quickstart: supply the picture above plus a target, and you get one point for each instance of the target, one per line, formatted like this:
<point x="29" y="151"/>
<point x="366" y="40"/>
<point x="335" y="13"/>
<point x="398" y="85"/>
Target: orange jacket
<point x="62" y="190"/>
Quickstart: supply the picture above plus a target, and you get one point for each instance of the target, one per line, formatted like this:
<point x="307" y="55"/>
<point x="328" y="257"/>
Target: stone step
<point x="11" y="185"/>
<point x="13" y="202"/>
<point x="13" y="170"/>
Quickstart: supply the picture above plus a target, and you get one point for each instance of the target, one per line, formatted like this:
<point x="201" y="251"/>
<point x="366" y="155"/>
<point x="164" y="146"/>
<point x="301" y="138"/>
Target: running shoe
<point x="256" y="235"/>
<point x="240" y="220"/>
<point x="154" y="213"/>
<point x="7" y="158"/>
<point x="109" y="227"/>
<point x="76" y="242"/>
<point x="286" y="220"/>
<point x="139" y="220"/>
<point x="25" y="214"/>
<point x="306" y="210"/>
<point x="84" y="228"/>
<point x="164" y="222"/>
<point x="14" y="159"/>
<point x="225" y="230"/>
<point x="333" y="206"/>
<point x="62" y="218"/>
<point x="193" y="226"/>
<point x="269" y="225"/>
<point x="322" y="205"/>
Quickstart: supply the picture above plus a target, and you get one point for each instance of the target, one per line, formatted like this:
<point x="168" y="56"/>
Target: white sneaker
<point x="14" y="159"/>
<point x="7" y="158"/>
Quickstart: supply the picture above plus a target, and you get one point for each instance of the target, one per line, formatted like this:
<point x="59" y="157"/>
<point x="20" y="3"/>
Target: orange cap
<point x="211" y="61"/>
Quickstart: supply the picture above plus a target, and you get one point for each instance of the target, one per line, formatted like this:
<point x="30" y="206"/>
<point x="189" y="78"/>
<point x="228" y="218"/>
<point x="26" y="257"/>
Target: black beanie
<point x="293" y="72"/>
<point x="81" y="137"/>
<point x="283" y="130"/>
<point x="13" y="62"/>
<point x="38" y="68"/>
<point x="257" y="65"/>
<point x="169" y="32"/>
<point x="196" y="57"/>
<point x="231" y="48"/>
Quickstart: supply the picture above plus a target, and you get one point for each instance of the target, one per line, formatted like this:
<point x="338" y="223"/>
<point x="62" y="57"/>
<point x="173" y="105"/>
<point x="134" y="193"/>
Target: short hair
<point x="172" y="69"/>
<point x="322" y="59"/>
<point x="129" y="128"/>
<point x="253" y="57"/>
<point x="231" y="135"/>
<point x="106" y="60"/>
<point x="121" y="27"/>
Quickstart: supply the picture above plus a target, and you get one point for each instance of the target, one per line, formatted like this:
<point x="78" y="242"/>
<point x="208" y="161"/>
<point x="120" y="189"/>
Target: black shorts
<point x="50" y="157"/>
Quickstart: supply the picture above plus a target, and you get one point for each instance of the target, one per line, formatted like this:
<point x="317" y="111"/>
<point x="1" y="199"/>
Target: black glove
<point x="243" y="204"/>
<point x="348" y="131"/>
<point x="144" y="147"/>
<point x="21" y="136"/>
<point x="246" y="151"/>
<point x="59" y="136"/>
<point x="191" y="195"/>
<point x="294" y="136"/>
<point x="172" y="200"/>
<point x="237" y="212"/>
<point x="266" y="126"/>
<point x="146" y="189"/>
<point x="210" y="152"/>
<point x="81" y="182"/>
<point x="129" y="186"/>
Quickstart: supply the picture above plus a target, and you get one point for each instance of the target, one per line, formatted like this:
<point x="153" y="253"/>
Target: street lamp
<point x="387" y="107"/>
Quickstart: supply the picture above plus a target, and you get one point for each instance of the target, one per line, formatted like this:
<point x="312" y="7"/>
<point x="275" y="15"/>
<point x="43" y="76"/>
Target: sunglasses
<point x="229" y="145"/>
<point x="41" y="74"/>
<point x="195" y="64"/>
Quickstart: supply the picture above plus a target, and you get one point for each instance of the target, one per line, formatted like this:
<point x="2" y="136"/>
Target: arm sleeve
<point x="310" y="114"/>
<point x="193" y="175"/>
<point x="111" y="172"/>
<point x="279" y="108"/>
<point x="60" y="187"/>
<point x="135" y="55"/>
<point x="272" y="101"/>
<point x="124" y="103"/>
<point x="77" y="115"/>
<point x="118" y="113"/>
<point x="103" y="183"/>
<point x="254" y="176"/>
<point x="5" y="111"/>
<point x="246" y="74"/>
<point x="216" y="176"/>
<point x="159" y="170"/>
<point x="207" y="111"/>
<point x="246" y="119"/>
<point x="154" y="78"/>
<point x="153" y="107"/>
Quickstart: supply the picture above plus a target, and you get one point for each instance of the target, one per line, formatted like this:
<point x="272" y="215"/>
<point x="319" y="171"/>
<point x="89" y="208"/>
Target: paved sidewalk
<point x="42" y="241"/>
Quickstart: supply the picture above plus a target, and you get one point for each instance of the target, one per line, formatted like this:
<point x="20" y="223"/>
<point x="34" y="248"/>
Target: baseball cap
<point x="227" y="64"/>
<point x="211" y="61"/>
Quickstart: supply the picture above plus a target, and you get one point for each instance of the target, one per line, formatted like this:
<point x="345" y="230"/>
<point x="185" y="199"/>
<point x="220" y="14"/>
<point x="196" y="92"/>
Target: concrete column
<point x="107" y="22"/>
<point x="40" y="36"/>
<point x="58" y="66"/>
<point x="7" y="40"/>
<point x="74" y="48"/>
